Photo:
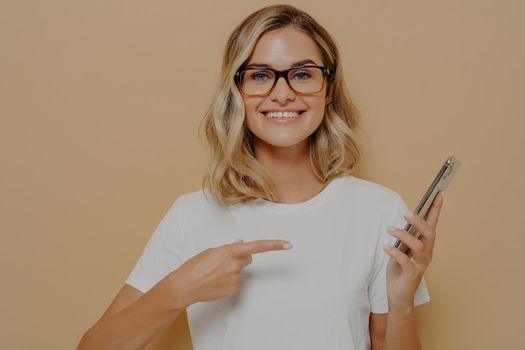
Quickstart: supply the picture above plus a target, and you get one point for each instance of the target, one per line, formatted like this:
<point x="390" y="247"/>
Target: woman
<point x="282" y="153"/>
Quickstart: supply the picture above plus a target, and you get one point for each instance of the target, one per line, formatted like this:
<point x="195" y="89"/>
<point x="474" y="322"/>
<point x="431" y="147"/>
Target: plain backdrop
<point x="100" y="103"/>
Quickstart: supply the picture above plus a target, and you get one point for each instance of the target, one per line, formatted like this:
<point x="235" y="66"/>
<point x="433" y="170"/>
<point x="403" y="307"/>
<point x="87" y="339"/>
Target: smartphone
<point x="440" y="183"/>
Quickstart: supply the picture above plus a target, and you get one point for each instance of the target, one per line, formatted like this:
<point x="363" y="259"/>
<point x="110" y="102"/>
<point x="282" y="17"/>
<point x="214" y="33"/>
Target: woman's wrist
<point x="175" y="291"/>
<point x="401" y="308"/>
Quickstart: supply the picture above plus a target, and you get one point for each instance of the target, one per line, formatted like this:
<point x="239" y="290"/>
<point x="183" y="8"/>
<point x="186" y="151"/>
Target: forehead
<point x="280" y="48"/>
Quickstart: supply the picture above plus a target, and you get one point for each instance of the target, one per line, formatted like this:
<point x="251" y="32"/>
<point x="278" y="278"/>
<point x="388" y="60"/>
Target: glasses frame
<point x="282" y="73"/>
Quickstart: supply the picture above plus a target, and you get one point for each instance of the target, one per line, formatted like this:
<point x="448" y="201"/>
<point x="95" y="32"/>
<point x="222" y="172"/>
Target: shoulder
<point x="199" y="199"/>
<point x="200" y="204"/>
<point x="369" y="193"/>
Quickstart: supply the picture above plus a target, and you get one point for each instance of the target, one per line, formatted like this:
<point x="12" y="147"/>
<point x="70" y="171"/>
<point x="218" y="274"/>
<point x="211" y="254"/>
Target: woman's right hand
<point x="134" y="318"/>
<point x="214" y="273"/>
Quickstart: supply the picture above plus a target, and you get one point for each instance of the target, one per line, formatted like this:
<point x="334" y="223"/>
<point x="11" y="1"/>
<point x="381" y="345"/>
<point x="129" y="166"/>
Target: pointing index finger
<point x="262" y="245"/>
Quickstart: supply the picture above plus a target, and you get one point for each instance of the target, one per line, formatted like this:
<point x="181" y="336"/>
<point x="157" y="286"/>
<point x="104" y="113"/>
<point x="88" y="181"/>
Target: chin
<point x="283" y="142"/>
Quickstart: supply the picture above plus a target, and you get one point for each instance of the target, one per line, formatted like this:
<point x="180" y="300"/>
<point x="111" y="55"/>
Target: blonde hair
<point x="234" y="175"/>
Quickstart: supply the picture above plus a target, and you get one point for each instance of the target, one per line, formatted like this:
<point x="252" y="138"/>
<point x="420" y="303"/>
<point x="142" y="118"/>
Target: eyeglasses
<point x="304" y="80"/>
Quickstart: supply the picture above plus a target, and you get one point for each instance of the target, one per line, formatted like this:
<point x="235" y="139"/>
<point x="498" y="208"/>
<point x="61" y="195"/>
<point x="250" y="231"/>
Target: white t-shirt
<point x="317" y="295"/>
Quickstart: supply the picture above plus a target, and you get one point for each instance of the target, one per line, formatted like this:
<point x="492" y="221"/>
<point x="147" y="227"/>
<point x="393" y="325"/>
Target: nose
<point x="282" y="92"/>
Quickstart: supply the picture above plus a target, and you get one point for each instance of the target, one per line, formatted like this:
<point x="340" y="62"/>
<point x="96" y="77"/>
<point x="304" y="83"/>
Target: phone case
<point x="440" y="183"/>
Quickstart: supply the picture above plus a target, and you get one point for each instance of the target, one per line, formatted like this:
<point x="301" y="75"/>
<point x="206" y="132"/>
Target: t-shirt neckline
<point x="313" y="202"/>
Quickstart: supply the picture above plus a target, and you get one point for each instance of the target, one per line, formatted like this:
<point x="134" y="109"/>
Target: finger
<point x="433" y="214"/>
<point x="261" y="246"/>
<point x="400" y="257"/>
<point x="419" y="251"/>
<point x="240" y="240"/>
<point x="245" y="260"/>
<point x="427" y="232"/>
<point x="416" y="245"/>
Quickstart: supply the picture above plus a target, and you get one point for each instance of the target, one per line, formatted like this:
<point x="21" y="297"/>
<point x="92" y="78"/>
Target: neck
<point x="290" y="170"/>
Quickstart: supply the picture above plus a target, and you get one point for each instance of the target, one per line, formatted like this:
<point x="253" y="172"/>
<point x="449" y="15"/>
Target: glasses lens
<point x="306" y="80"/>
<point x="257" y="81"/>
<point x="302" y="80"/>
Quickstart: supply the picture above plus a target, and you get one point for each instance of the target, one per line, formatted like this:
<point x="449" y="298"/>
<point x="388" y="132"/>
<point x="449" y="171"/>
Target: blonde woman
<point x="282" y="134"/>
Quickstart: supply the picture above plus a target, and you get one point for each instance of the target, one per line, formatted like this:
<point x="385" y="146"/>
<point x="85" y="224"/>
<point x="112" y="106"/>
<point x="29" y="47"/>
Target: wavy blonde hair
<point x="234" y="175"/>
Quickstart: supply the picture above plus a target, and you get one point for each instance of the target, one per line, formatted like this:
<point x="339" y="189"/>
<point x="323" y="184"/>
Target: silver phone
<point x="440" y="183"/>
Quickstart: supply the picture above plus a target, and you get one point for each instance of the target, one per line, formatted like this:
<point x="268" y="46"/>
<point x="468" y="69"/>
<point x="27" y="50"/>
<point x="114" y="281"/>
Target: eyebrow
<point x="296" y="64"/>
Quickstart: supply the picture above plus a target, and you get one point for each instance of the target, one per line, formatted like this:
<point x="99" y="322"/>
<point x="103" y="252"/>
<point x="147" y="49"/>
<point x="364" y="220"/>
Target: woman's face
<point x="280" y="49"/>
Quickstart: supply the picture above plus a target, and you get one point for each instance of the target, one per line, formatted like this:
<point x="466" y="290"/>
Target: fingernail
<point x="442" y="194"/>
<point x="390" y="229"/>
<point x="238" y="240"/>
<point x="408" y="215"/>
<point x="387" y="247"/>
<point x="287" y="245"/>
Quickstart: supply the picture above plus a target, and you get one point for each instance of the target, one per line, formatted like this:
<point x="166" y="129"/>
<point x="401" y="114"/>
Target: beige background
<point x="100" y="102"/>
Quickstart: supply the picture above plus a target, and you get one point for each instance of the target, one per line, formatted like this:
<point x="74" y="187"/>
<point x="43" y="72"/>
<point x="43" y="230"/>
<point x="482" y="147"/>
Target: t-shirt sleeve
<point x="377" y="290"/>
<point x="163" y="253"/>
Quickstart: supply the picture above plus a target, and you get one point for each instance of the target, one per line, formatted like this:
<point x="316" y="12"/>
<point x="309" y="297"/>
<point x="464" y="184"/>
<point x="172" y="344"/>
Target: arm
<point x="404" y="274"/>
<point x="395" y="330"/>
<point x="377" y="326"/>
<point x="133" y="319"/>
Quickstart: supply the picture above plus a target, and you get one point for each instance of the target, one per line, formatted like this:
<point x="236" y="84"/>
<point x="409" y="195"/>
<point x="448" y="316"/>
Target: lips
<point x="282" y="114"/>
<point x="287" y="110"/>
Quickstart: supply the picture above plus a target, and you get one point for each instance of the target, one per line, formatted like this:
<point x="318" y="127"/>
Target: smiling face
<point x="280" y="49"/>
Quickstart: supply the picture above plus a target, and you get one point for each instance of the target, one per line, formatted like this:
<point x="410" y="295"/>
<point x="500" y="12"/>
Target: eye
<point x="260" y="75"/>
<point x="302" y="75"/>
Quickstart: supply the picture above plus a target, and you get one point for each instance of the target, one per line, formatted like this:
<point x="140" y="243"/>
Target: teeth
<point x="282" y="114"/>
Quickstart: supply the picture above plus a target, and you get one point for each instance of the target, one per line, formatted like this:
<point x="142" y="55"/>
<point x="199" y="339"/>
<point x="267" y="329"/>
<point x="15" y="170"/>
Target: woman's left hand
<point x="405" y="271"/>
